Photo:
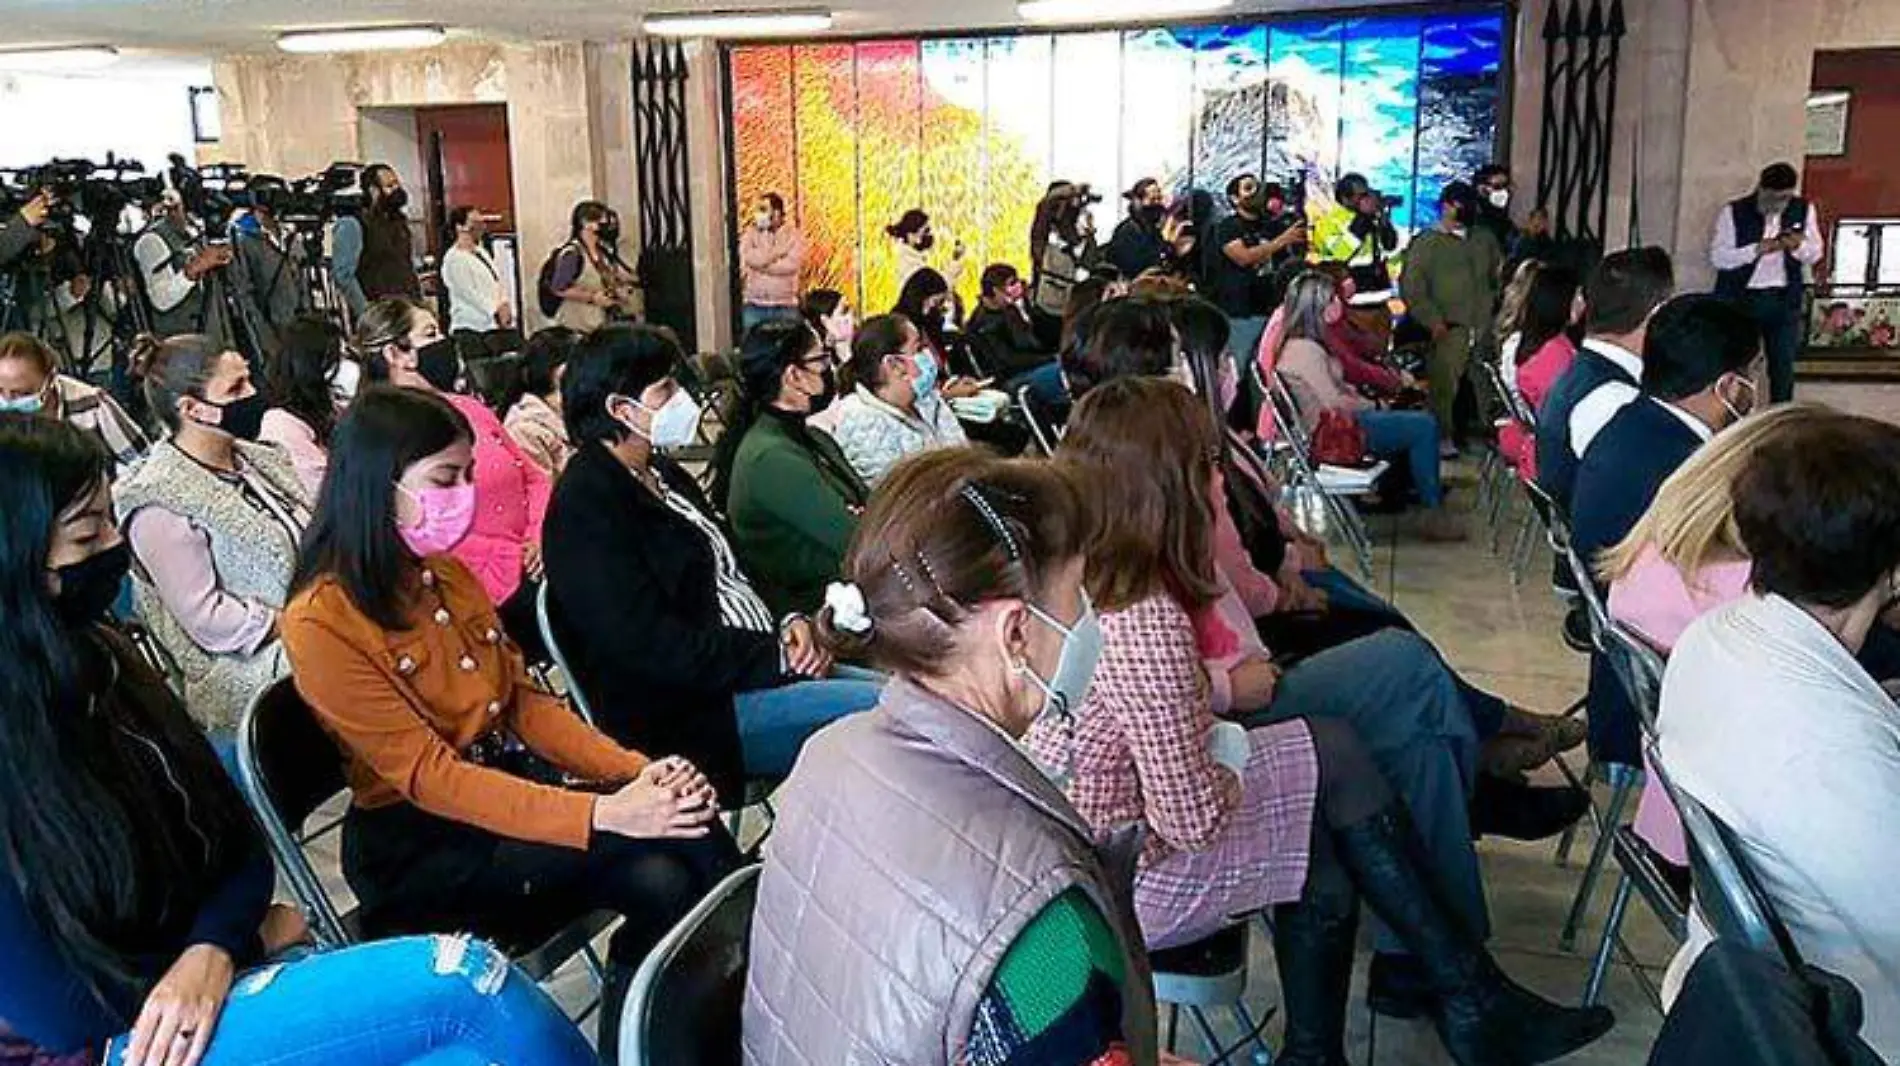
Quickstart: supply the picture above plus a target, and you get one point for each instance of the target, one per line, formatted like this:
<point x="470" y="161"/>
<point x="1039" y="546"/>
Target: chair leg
<point x="1570" y="835"/>
<point x="1174" y="1018"/>
<point x="1521" y="548"/>
<point x="1262" y="1053"/>
<point x="1606" y="832"/>
<point x="1207" y="1033"/>
<point x="1612" y="928"/>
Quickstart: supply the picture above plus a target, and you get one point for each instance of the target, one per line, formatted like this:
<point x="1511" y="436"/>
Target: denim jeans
<point x="752" y="314"/>
<point x="774" y="723"/>
<point x="1414" y="435"/>
<point x="1244" y="342"/>
<point x="1343" y="593"/>
<point x="1397" y="695"/>
<point x="439" y="1000"/>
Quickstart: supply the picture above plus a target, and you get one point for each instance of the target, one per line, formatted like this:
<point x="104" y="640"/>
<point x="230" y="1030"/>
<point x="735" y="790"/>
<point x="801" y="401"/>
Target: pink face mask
<point x="447" y="514"/>
<point x="1334" y="312"/>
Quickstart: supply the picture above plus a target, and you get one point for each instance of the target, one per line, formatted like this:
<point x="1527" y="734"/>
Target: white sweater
<point x="474" y="289"/>
<point x="1771" y="724"/>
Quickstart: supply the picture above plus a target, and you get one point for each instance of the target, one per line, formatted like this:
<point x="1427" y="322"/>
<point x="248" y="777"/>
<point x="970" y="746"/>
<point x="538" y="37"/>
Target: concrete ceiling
<point x="212" y="27"/>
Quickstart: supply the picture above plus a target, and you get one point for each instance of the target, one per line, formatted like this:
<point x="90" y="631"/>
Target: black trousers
<point x="417" y="873"/>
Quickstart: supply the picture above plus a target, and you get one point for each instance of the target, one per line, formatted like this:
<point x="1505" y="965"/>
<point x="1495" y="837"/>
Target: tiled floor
<point x="1505" y="639"/>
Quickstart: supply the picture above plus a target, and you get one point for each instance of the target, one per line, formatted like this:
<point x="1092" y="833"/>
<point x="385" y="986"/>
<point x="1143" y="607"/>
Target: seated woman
<point x="1313" y="374"/>
<point x="1552" y="308"/>
<point x="31" y="384"/>
<point x="894" y="408"/>
<point x="829" y="316"/>
<point x="534" y="419"/>
<point x="214" y="520"/>
<point x="1023" y="950"/>
<point x="1297" y="813"/>
<point x="789" y="491"/>
<point x="461" y="818"/>
<point x="137" y="952"/>
<point x="664" y="632"/>
<point x="405" y="347"/>
<point x="299" y="378"/>
<point x="1769" y="722"/>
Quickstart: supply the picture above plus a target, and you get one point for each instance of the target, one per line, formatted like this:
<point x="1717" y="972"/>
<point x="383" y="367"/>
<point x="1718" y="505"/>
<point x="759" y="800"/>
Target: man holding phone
<point x="1762" y="242"/>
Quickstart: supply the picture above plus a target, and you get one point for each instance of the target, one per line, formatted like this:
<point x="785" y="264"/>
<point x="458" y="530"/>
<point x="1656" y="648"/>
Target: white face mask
<point x="1498" y="198"/>
<point x="675" y="424"/>
<point x="345" y="379"/>
<point x="1063" y="691"/>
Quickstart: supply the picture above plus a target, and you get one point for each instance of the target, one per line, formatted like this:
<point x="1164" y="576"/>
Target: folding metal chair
<point x="1045" y="432"/>
<point x="288" y="768"/>
<point x="1293" y="444"/>
<point x="1209" y="974"/>
<point x="684" y="1003"/>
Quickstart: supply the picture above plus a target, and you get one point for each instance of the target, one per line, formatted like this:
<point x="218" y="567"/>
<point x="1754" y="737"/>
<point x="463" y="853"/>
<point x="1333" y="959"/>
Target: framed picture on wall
<point x="1827" y="122"/>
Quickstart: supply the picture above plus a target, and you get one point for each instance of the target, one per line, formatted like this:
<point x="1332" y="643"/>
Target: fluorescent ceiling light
<point x="76" y="57"/>
<point x="365" y="39"/>
<point x="1114" y="10"/>
<point x="737" y="23"/>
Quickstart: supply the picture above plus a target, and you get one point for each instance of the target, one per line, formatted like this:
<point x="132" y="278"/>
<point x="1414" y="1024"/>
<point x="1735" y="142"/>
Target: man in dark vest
<point x="373" y="256"/>
<point x="176" y="273"/>
<point x="1762" y="242"/>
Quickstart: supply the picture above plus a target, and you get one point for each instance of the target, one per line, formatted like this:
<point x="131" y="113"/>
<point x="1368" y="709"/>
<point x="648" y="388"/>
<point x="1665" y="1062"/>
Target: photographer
<point x="373" y="256"/>
<point x="174" y="265"/>
<point x="21" y="232"/>
<point x="1149" y="238"/>
<point x="267" y="274"/>
<point x="1358" y="232"/>
<point x="1247" y="250"/>
<point x="1062" y="246"/>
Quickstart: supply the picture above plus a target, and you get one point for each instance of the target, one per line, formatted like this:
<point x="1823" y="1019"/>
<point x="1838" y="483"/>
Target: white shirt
<point x="1770" y="270"/>
<point x="1696" y="425"/>
<point x="1594" y="411"/>
<point x="474" y="289"/>
<point x="1769" y="722"/>
<point x="166" y="286"/>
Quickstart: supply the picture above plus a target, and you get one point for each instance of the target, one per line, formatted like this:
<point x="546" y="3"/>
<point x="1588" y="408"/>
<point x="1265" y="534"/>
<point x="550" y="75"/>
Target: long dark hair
<point x="1546" y="311"/>
<point x="1204" y="333"/>
<point x="116" y="819"/>
<point x="297" y="374"/>
<point x="919" y="287"/>
<point x="352" y="536"/>
<point x="767" y="349"/>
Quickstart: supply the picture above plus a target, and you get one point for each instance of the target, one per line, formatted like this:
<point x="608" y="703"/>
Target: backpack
<point x="544" y="287"/>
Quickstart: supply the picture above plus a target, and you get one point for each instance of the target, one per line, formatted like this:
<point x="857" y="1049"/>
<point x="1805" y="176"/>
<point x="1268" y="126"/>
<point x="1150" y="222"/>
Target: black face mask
<point x="89" y="587"/>
<point x="827" y="394"/>
<point x="243" y="418"/>
<point x="394" y="202"/>
<point x="926" y="242"/>
<point x="440" y="365"/>
<point x="1150" y="213"/>
<point x="610" y="234"/>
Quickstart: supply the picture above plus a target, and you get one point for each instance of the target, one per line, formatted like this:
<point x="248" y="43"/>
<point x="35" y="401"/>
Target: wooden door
<point x="465" y="151"/>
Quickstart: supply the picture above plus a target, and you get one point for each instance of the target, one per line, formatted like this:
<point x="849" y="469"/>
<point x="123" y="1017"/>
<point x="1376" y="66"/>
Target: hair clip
<point x="848" y="610"/>
<point x="997" y="526"/>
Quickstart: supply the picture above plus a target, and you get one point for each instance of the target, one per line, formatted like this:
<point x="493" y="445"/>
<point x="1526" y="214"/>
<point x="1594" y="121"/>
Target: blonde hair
<point x="1516" y="294"/>
<point x="1691" y="522"/>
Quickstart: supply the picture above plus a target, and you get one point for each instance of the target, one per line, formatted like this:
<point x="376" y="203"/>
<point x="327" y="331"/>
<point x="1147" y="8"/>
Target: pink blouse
<point x="1538" y="374"/>
<point x="299" y="442"/>
<point x="1656" y="602"/>
<point x="511" y="498"/>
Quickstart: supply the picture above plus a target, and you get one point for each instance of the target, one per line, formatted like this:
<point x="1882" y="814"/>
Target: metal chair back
<point x="544" y="619"/>
<point x="288" y="767"/>
<point x="1044" y="430"/>
<point x="684" y="1002"/>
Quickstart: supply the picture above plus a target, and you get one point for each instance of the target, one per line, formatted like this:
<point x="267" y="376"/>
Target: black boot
<point x="616" y="979"/>
<point x="1483" y="1017"/>
<point x="1313" y="944"/>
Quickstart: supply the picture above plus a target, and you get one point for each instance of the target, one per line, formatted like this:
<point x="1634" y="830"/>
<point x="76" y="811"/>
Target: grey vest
<point x="252" y="552"/>
<point x="912" y="847"/>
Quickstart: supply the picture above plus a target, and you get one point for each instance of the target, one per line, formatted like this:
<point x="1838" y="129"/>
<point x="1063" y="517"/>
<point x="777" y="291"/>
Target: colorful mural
<point x="972" y="129"/>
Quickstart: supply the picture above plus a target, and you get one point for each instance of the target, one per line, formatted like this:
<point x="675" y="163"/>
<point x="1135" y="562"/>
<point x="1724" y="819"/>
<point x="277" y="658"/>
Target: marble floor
<point x="1504" y="638"/>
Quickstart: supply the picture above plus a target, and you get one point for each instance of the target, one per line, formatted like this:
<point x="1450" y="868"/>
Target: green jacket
<point x="794" y="504"/>
<point x="1451" y="279"/>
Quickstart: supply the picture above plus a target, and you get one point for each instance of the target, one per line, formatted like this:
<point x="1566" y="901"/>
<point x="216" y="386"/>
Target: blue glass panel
<point x="1157" y="120"/>
<point x="1458" y="102"/>
<point x="1379" y="107"/>
<point x="1305" y="65"/>
<point x="1230" y="107"/>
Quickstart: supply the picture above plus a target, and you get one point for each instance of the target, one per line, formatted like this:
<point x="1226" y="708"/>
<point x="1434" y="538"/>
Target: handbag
<point x="1339" y="439"/>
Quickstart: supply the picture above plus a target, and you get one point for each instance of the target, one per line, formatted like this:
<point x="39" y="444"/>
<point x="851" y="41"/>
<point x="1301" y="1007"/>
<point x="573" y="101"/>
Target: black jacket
<point x="1004" y="343"/>
<point x="635" y="610"/>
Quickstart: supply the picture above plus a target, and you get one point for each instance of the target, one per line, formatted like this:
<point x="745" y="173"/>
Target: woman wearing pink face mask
<point x="462" y="816"/>
<point x="1318" y="380"/>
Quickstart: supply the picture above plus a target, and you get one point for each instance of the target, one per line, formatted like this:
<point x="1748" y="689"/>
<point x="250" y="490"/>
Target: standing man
<point x="771" y="254"/>
<point x="1148" y="238"/>
<point x="173" y="264"/>
<point x="1358" y="232"/>
<point x="476" y="301"/>
<point x="374" y="256"/>
<point x="1245" y="255"/>
<point x="1450" y="286"/>
<point x="267" y="274"/>
<point x="1762" y="242"/>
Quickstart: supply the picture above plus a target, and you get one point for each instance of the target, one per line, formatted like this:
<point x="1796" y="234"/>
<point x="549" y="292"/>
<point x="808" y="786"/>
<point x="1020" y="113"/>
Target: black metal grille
<point x="666" y="237"/>
<point x="1583" y="45"/>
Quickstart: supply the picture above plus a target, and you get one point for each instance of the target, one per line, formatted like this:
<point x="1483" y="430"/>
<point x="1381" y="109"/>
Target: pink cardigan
<point x="511" y="498"/>
<point x="1654" y="601"/>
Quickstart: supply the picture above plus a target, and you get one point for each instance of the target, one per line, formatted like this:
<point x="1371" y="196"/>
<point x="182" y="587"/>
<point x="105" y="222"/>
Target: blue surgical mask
<point x="1062" y="692"/>
<point x="23" y="405"/>
<point x="925" y="382"/>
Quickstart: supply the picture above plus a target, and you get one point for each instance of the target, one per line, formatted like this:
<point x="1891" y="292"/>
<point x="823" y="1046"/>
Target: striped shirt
<point x="739" y="606"/>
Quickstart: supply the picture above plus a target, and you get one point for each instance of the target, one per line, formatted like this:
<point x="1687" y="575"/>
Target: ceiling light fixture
<point x="737" y="23"/>
<point x="362" y="39"/>
<point x="65" y="57"/>
<point x="1114" y="10"/>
